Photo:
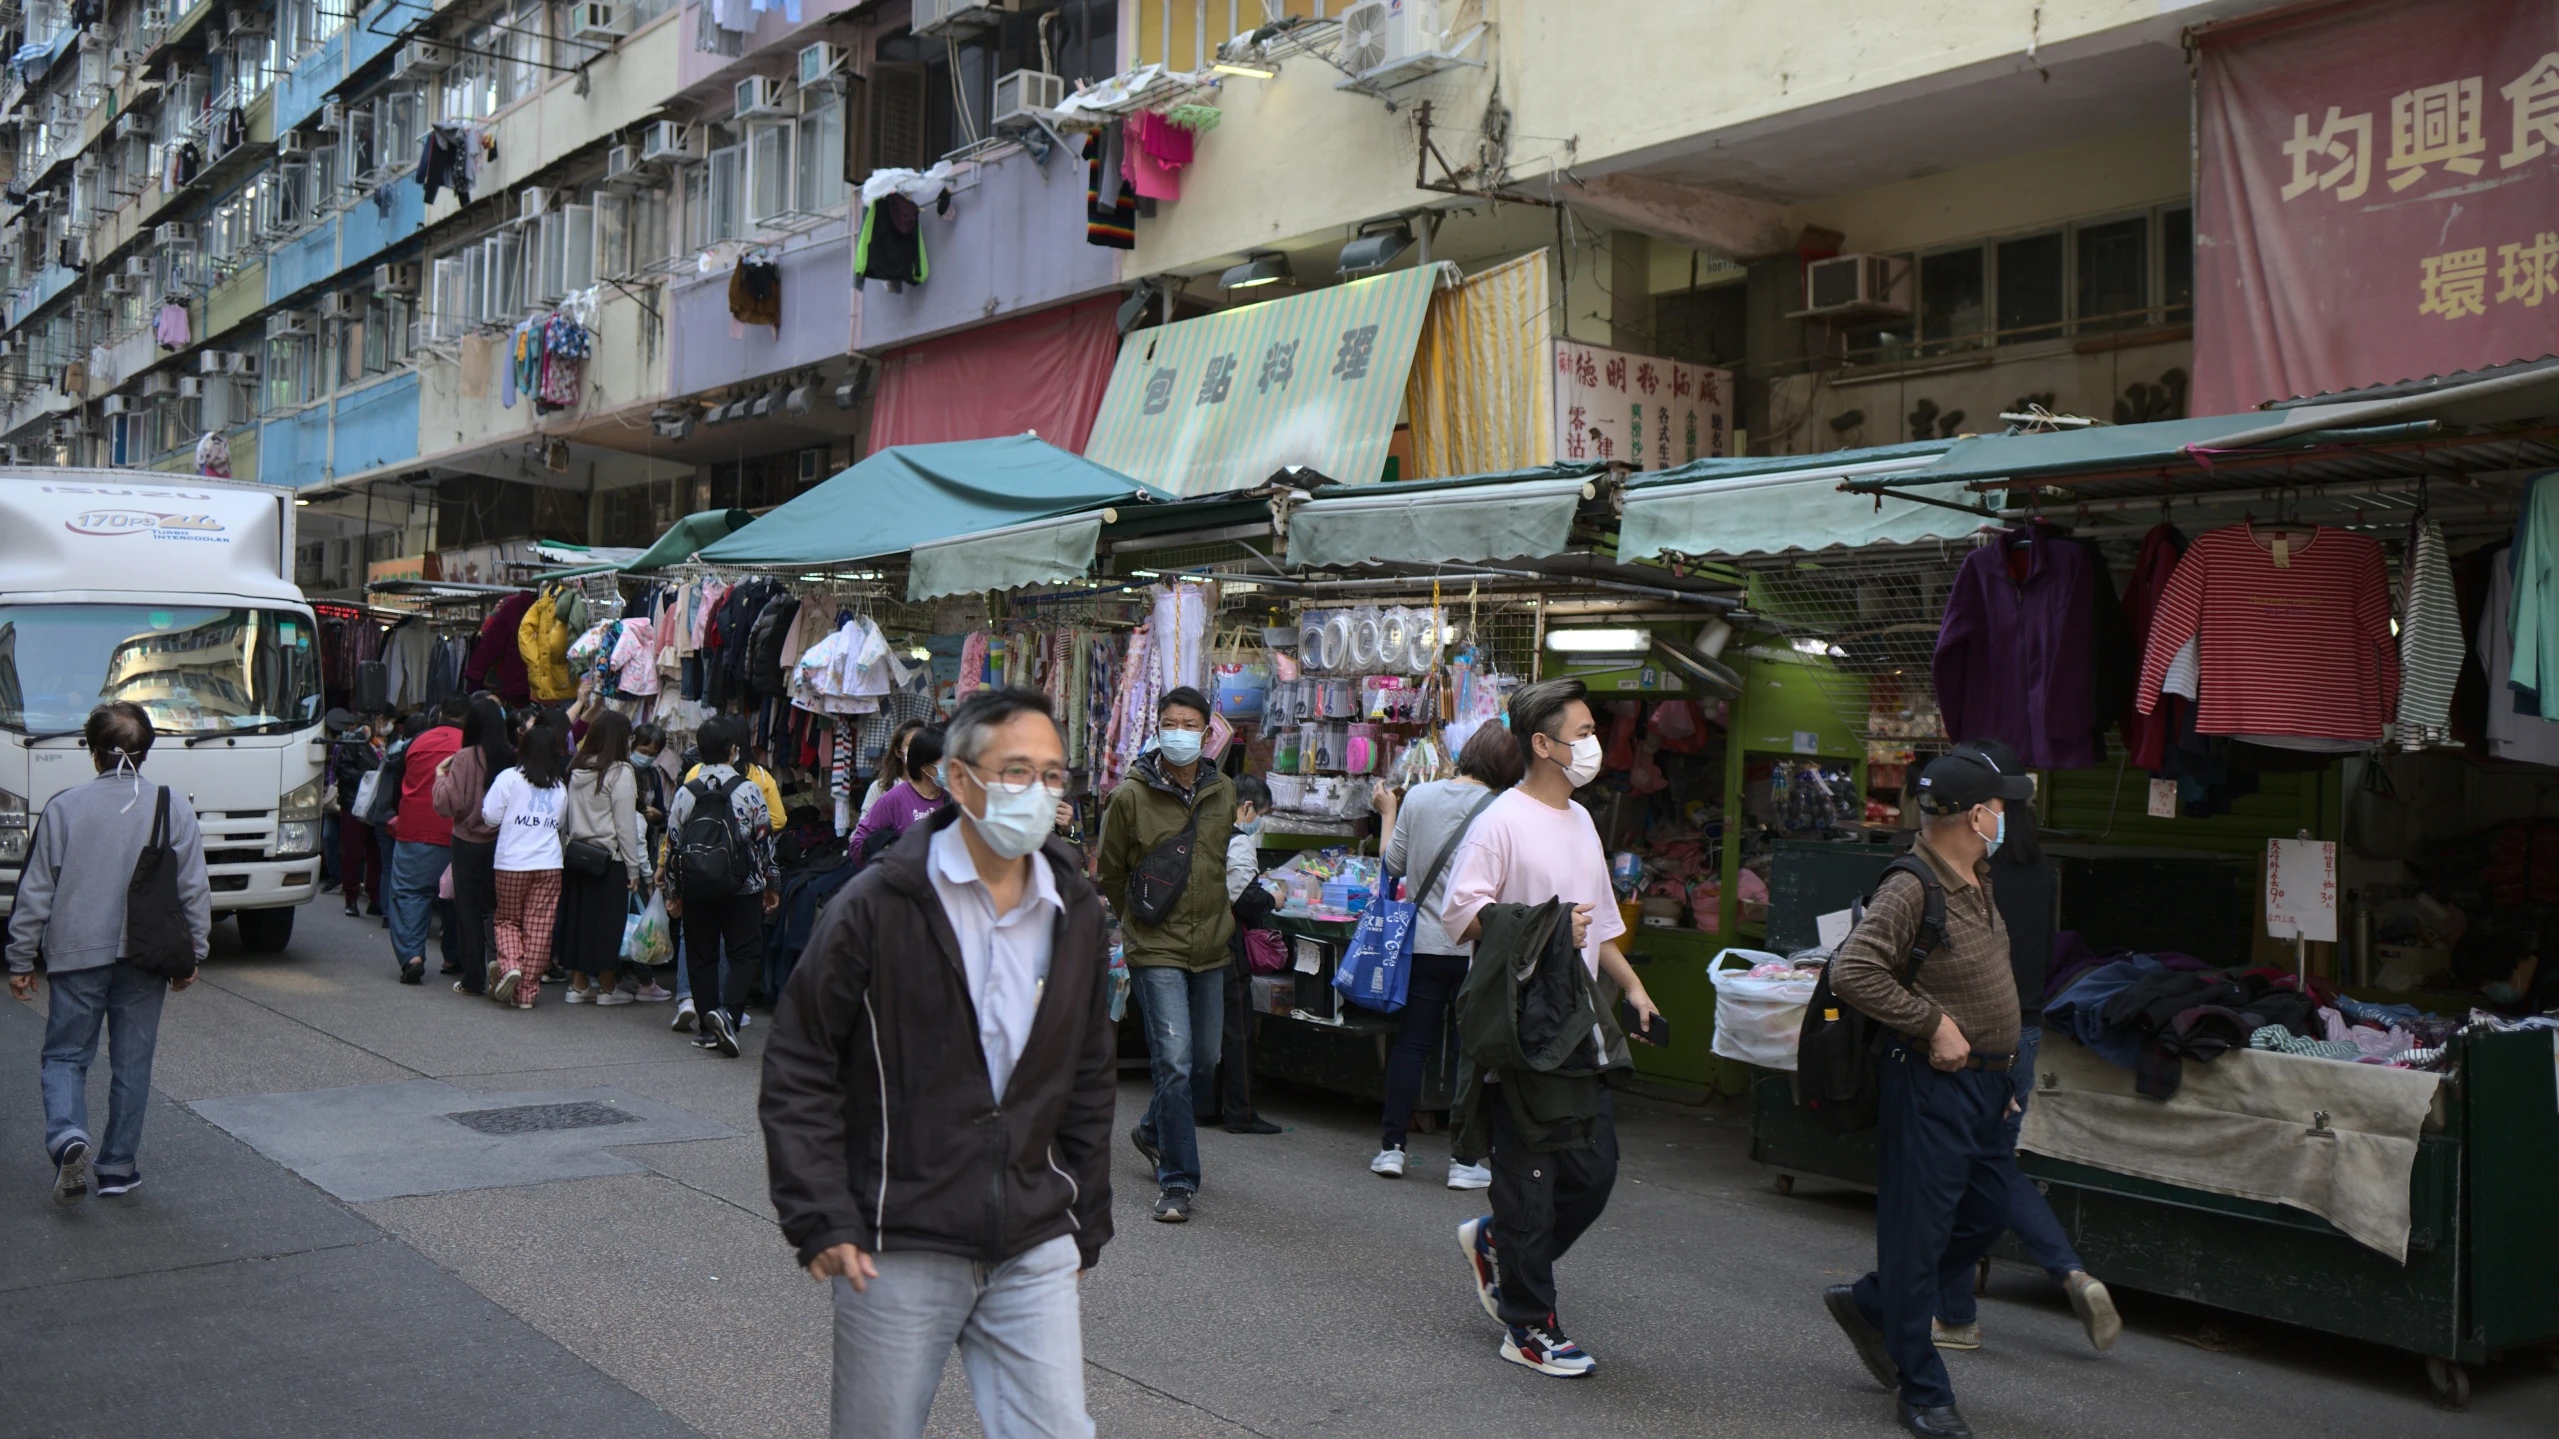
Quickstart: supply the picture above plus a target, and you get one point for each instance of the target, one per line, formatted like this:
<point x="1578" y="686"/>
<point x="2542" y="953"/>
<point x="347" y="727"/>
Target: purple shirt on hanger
<point x="2015" y="657"/>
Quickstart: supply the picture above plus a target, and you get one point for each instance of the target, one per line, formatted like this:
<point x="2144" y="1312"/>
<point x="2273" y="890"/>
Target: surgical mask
<point x="1249" y="826"/>
<point x="1583" y="767"/>
<point x="1997" y="838"/>
<point x="1178" y="746"/>
<point x="1017" y="824"/>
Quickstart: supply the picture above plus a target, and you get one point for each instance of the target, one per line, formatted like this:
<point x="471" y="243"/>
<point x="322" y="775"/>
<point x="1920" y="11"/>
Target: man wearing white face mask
<point x="1530" y="845"/>
<point x="1000" y="1084"/>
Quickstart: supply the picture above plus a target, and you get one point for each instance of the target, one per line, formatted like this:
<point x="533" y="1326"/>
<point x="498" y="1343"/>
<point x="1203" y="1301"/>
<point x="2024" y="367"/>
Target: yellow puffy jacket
<point x="543" y="640"/>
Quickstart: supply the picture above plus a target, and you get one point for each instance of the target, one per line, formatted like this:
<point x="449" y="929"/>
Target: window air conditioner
<point x="819" y="62"/>
<point x="190" y="388"/>
<point x="127" y="125"/>
<point x="8" y="349"/>
<point x="1857" y="284"/>
<point x="119" y="284"/>
<point x="1025" y="96"/>
<point x="292" y="142"/>
<point x="338" y="305"/>
<point x="333" y="116"/>
<point x="247" y="22"/>
<point x="531" y="201"/>
<point x="115" y="405"/>
<point x="597" y="20"/>
<point x="760" y="95"/>
<point x="173" y="233"/>
<point x="159" y="383"/>
<point x="137" y="265"/>
<point x="244" y="365"/>
<point x="1378" y="33"/>
<point x="617" y="162"/>
<point x="285" y="324"/>
<point x="425" y="56"/>
<point x="397" y="278"/>
<point x="667" y="140"/>
<point x="214" y="362"/>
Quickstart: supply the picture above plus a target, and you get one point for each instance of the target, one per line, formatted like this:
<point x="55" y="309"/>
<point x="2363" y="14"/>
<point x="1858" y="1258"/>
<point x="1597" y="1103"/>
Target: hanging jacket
<point x="764" y="669"/>
<point x="544" y="643"/>
<point x="497" y="659"/>
<point x="1530" y="1012"/>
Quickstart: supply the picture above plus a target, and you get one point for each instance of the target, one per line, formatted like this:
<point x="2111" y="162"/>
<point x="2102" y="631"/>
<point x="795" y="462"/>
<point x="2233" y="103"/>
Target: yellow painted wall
<point x="2129" y="171"/>
<point x="622" y="372"/>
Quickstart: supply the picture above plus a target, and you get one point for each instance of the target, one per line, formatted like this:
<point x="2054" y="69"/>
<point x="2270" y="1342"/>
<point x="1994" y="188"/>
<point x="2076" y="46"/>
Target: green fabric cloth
<point x="1489" y="517"/>
<point x="1043" y="550"/>
<point x="1776" y="503"/>
<point x="1553" y="1103"/>
<point x="911" y="495"/>
<point x="688" y="535"/>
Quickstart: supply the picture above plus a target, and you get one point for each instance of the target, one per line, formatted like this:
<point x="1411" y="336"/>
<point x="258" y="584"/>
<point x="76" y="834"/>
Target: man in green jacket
<point x="1178" y="966"/>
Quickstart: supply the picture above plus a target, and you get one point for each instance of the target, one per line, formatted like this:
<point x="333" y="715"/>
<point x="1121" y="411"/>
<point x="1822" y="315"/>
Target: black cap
<point x="1964" y="777"/>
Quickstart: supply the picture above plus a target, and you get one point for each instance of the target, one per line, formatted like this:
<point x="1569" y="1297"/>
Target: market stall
<point x="2261" y="667"/>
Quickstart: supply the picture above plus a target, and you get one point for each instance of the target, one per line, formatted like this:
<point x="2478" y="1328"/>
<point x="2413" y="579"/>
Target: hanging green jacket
<point x="1144" y="812"/>
<point x="1530" y="1012"/>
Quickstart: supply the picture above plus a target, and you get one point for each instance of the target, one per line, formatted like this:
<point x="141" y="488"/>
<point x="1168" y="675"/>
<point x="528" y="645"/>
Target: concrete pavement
<point x="652" y="1295"/>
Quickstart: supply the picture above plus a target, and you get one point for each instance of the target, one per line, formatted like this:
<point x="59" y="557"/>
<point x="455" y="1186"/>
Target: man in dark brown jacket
<point x="938" y="1093"/>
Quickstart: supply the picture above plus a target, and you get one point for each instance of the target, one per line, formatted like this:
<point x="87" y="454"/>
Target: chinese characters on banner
<point x="2378" y="197"/>
<point x="1650" y="413"/>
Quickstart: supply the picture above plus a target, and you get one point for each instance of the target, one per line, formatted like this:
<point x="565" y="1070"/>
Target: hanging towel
<point x="2429" y="641"/>
<point x="1111" y="224"/>
<point x="1157" y="148"/>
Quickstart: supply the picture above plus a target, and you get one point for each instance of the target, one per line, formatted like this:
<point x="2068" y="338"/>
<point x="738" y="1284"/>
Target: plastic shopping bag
<point x="1377" y="965"/>
<point x="645" y="939"/>
<point x="1759" y="1019"/>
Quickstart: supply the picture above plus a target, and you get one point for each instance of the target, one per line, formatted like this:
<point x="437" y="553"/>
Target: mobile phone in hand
<point x="1656" y="1033"/>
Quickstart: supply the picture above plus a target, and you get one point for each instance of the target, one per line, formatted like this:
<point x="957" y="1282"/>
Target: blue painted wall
<point x="303" y="261"/>
<point x="366" y="231"/>
<point x="377" y="426"/>
<point x="294" y="451"/>
<point x="306" y="86"/>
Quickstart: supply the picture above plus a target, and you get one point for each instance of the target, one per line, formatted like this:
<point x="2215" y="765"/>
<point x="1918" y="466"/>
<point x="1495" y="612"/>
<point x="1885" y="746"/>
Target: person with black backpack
<point x="115" y="900"/>
<point x="718" y="878"/>
<point x="1944" y="1059"/>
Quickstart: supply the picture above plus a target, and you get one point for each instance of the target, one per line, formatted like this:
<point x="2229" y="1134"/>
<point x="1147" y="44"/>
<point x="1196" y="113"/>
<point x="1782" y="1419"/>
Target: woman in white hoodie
<point x="526" y="805"/>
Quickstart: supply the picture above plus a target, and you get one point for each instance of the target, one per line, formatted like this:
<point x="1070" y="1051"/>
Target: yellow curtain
<point x="1481" y="396"/>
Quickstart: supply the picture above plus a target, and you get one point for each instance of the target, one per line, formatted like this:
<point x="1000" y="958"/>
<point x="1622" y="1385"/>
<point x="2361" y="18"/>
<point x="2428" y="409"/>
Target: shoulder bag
<point x="157" y="939"/>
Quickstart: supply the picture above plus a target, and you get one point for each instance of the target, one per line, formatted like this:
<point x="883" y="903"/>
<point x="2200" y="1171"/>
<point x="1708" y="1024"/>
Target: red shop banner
<point x="2378" y="197"/>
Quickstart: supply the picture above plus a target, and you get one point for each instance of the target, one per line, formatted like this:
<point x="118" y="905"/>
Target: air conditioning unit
<point x="215" y="362"/>
<point x="128" y="125"/>
<point x="531" y="201"/>
<point x="667" y="140"/>
<point x="246" y="22"/>
<point x="285" y="324"/>
<point x="1378" y="33"/>
<point x="159" y="383"/>
<point x="137" y="265"/>
<point x="424" y="56"/>
<point x="339" y="305"/>
<point x="190" y="388"/>
<point x="292" y="142"/>
<point x="617" y="162"/>
<point x="8" y="349"/>
<point x="115" y="405"/>
<point x="333" y="116"/>
<point x="69" y="428"/>
<point x="819" y="62"/>
<point x="173" y="233"/>
<point x="1857" y="284"/>
<point x="244" y="365"/>
<point x="934" y="17"/>
<point x="397" y="278"/>
<point x="597" y="19"/>
<point x="760" y="95"/>
<point x="1025" y="96"/>
<point x="119" y="284"/>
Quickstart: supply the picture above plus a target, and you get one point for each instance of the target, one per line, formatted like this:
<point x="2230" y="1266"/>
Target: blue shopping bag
<point x="1377" y="965"/>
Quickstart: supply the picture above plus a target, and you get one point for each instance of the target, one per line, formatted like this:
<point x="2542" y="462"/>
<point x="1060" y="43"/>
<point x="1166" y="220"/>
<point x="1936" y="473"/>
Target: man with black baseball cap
<point x="1945" y="1082"/>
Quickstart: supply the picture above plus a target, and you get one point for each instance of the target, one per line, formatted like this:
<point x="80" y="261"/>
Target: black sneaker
<point x="716" y="1030"/>
<point x="1173" y="1206"/>
<point x="413" y="972"/>
<point x="1146" y="1146"/>
<point x="71" y="1173"/>
<point x="109" y="1186"/>
<point x="375" y="908"/>
<point x="1254" y="1124"/>
<point x="350" y="911"/>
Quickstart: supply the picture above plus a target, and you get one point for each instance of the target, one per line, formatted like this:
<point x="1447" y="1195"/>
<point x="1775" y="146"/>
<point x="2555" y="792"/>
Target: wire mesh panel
<point x="1872" y="615"/>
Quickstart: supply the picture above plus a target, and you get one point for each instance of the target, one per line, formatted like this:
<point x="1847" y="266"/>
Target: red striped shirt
<point x="2304" y="650"/>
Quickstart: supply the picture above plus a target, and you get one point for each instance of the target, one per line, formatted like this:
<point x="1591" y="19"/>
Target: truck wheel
<point x="265" y="931"/>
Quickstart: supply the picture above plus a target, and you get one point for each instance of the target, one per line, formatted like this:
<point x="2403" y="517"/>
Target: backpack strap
<point x="1932" y="920"/>
<point x="1449" y="850"/>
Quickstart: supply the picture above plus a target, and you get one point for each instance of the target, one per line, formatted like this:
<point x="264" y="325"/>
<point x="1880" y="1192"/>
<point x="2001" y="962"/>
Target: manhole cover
<point x="536" y="1118"/>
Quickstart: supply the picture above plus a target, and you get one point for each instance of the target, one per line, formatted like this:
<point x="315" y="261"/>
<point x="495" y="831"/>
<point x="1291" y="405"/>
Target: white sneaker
<point x="579" y="996"/>
<point x="1469" y="1176"/>
<point x="684" y="1016"/>
<point x="1389" y="1164"/>
<point x="616" y="996"/>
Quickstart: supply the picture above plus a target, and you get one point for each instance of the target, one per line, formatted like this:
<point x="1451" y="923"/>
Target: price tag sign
<point x="2163" y="799"/>
<point x="1807" y="742"/>
<point x="2301" y="889"/>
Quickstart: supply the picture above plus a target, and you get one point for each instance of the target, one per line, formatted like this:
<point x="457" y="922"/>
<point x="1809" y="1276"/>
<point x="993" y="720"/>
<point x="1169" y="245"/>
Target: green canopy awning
<point x="1521" y="514"/>
<point x="1771" y="504"/>
<point x="1038" y="552"/>
<point x="688" y="535"/>
<point x="911" y="495"/>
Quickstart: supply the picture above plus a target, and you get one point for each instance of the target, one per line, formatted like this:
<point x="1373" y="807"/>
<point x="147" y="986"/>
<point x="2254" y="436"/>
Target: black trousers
<point x="1428" y="992"/>
<point x="472" y="935"/>
<point x="1230" y="1099"/>
<point x="1541" y="1204"/>
<point x="1941" y="1200"/>
<point x="734" y="924"/>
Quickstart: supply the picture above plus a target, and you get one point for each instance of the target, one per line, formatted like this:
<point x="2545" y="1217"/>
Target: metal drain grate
<point x="539" y="1118"/>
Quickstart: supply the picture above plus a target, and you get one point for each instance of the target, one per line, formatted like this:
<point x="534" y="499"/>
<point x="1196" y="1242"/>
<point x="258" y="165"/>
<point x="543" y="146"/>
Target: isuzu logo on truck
<point x="144" y="522"/>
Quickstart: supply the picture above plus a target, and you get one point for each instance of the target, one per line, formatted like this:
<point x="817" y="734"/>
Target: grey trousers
<point x="1017" y="1325"/>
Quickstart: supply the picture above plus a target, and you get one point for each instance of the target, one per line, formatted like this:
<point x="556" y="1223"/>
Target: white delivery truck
<point x="175" y="593"/>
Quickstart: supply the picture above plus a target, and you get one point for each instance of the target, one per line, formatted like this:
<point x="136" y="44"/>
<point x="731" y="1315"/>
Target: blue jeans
<point x="2029" y="1217"/>
<point x="1185" y="1019"/>
<point x="127" y="1002"/>
<point x="416" y="869"/>
<point x="1019" y="1333"/>
<point x="1941" y="1200"/>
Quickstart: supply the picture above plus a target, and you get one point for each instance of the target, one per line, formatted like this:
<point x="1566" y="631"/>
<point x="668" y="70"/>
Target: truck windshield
<point x="194" y="670"/>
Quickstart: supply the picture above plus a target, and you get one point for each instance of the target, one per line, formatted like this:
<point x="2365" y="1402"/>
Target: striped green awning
<point x="1226" y="401"/>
